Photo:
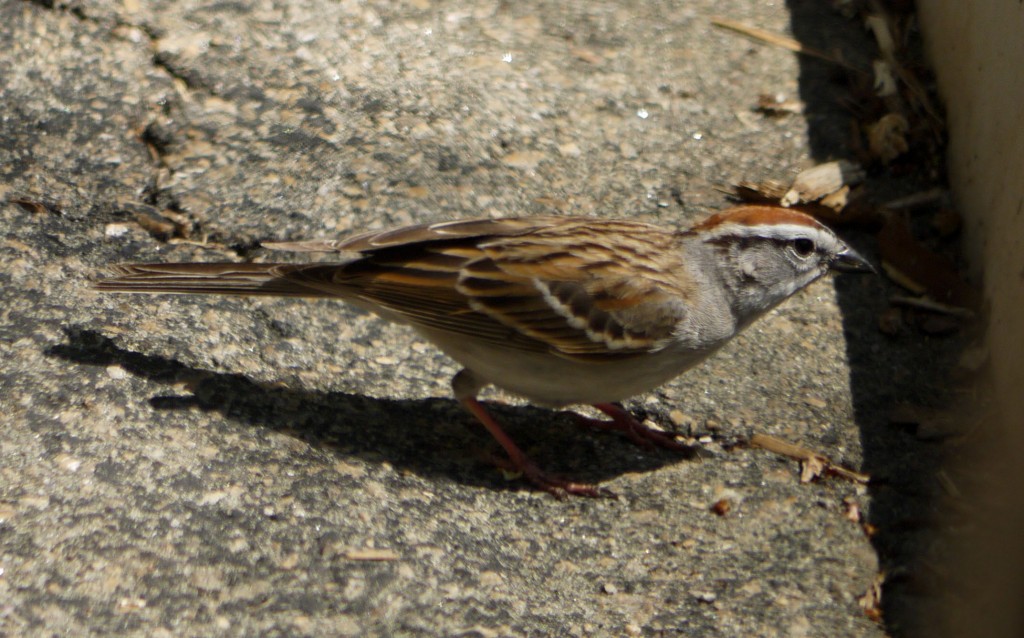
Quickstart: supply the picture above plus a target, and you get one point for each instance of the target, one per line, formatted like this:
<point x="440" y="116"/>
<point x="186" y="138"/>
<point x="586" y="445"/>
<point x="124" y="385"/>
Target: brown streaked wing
<point x="418" y="282"/>
<point x="514" y="283"/>
<point x="617" y="292"/>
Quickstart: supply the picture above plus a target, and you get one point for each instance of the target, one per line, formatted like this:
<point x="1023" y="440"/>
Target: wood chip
<point x="822" y="180"/>
<point x="838" y="200"/>
<point x="829" y="192"/>
<point x="770" y="190"/>
<point x="778" y="105"/>
<point x="852" y="510"/>
<point x="885" y="83"/>
<point x="524" y="160"/>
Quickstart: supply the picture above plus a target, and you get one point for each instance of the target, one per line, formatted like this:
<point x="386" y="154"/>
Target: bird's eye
<point x="803" y="246"/>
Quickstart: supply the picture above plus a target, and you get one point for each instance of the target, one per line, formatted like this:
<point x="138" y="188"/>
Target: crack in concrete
<point x="154" y="135"/>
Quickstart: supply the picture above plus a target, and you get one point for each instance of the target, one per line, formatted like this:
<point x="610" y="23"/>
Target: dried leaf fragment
<point x="920" y="270"/>
<point x="586" y="54"/>
<point x="871" y="601"/>
<point x="37" y="207"/>
<point x="973" y="359"/>
<point x="890" y="322"/>
<point x="812" y="467"/>
<point x="128" y="604"/>
<point x="931" y="424"/>
<point x="939" y="326"/>
<point x="946" y="222"/>
<point x="722" y="506"/>
<point x="887" y="138"/>
<point x="158" y="226"/>
<point x="904" y="414"/>
<point x="163" y="225"/>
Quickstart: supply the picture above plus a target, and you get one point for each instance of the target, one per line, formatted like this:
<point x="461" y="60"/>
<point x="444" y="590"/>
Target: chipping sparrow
<point x="560" y="310"/>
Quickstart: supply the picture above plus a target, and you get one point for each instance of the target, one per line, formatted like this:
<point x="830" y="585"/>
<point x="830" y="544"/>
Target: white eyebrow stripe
<point x="769" y="231"/>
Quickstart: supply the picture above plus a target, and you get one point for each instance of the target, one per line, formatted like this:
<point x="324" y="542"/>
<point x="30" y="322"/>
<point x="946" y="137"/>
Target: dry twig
<point x="814" y="464"/>
<point x="781" y="41"/>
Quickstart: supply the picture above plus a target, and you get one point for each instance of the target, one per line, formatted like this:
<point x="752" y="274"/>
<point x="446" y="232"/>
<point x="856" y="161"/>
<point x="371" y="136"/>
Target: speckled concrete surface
<point x="179" y="466"/>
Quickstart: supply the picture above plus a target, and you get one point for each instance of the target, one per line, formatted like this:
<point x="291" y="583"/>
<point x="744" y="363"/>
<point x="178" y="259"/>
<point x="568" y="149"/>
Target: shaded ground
<point x="198" y="466"/>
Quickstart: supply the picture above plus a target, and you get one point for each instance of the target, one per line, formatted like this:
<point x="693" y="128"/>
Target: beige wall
<point x="977" y="50"/>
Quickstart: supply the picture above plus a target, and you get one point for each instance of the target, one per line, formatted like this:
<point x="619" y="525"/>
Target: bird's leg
<point x="466" y="387"/>
<point x="622" y="421"/>
<point x="519" y="462"/>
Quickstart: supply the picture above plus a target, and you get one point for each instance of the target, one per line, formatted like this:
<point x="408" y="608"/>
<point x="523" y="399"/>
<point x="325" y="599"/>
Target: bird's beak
<point x="849" y="260"/>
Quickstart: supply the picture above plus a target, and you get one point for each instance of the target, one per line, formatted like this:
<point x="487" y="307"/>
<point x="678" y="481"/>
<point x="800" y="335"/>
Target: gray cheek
<point x="749" y="267"/>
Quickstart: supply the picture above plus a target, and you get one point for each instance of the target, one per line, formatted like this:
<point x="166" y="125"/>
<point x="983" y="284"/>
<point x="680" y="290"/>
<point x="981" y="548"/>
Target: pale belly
<point x="550" y="380"/>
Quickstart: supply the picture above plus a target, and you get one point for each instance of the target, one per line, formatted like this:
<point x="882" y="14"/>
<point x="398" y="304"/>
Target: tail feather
<point x="277" y="280"/>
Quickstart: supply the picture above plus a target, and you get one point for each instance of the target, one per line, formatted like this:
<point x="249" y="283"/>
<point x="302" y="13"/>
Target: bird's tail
<point x="276" y="280"/>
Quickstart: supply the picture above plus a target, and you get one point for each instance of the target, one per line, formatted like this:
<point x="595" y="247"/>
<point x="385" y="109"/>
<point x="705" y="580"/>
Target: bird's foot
<point x="637" y="432"/>
<point x="557" y="487"/>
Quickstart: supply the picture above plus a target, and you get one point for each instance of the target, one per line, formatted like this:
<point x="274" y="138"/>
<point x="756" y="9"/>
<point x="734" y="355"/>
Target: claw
<point x="638" y="433"/>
